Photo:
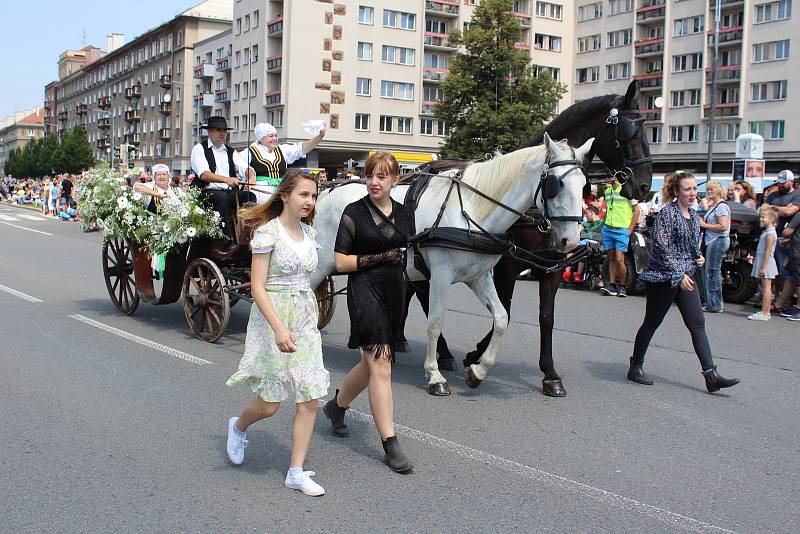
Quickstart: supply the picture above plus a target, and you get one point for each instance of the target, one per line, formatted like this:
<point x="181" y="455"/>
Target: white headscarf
<point x="160" y="168"/>
<point x="264" y="129"/>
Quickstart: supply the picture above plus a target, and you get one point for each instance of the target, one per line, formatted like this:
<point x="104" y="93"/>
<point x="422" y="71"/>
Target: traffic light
<point x="116" y="153"/>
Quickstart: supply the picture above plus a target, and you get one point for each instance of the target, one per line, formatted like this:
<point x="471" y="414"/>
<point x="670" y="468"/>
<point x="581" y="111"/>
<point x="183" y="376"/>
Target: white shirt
<point x="170" y="191"/>
<point x="200" y="164"/>
<point x="291" y="153"/>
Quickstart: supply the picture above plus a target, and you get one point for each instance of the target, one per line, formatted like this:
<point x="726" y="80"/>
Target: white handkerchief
<point x="313" y="128"/>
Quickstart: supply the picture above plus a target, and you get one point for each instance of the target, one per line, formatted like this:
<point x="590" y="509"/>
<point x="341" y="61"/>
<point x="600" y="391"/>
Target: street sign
<point x="749" y="146"/>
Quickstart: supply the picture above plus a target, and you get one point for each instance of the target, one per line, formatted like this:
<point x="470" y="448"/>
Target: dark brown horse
<point x="620" y="142"/>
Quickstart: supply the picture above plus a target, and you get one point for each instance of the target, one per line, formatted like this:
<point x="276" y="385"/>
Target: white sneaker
<point x="303" y="482"/>
<point x="759" y="316"/>
<point x="237" y="441"/>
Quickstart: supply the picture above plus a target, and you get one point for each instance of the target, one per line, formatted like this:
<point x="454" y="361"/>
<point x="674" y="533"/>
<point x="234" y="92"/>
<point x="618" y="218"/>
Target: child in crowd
<point x="590" y="229"/>
<point x="283" y="348"/>
<point x="764" y="266"/>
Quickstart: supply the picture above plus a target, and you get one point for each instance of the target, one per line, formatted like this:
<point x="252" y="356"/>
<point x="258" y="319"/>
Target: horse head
<point x="560" y="189"/>
<point x="622" y="145"/>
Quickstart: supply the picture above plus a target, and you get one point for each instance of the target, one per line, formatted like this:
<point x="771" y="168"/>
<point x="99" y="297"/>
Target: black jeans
<point x="224" y="201"/>
<point x="659" y="299"/>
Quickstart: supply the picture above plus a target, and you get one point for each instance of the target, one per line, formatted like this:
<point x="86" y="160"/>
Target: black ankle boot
<point x="715" y="381"/>
<point x="335" y="413"/>
<point x="394" y="457"/>
<point x="635" y="374"/>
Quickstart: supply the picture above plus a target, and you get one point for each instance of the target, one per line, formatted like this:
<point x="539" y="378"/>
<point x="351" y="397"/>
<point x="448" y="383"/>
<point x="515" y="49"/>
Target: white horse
<point x="511" y="179"/>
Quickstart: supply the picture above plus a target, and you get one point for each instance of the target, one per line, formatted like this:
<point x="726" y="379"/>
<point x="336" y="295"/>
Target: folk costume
<point x="269" y="165"/>
<point x="154" y="204"/>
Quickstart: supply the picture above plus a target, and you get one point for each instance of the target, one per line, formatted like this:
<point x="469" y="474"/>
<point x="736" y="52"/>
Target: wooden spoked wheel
<point x="205" y="302"/>
<point x="118" y="272"/>
<point x="326" y="301"/>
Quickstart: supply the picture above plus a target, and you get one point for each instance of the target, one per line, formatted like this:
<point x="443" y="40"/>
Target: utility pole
<point x="712" y="110"/>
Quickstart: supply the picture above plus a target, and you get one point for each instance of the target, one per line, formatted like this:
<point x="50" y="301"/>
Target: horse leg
<point x="483" y="287"/>
<point x="402" y="344"/>
<point x="551" y="383"/>
<point x="444" y="357"/>
<point x="505" y="278"/>
<point x="437" y="385"/>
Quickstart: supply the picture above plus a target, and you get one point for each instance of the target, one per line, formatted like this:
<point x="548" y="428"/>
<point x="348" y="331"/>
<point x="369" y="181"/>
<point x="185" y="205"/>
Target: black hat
<point x="216" y="122"/>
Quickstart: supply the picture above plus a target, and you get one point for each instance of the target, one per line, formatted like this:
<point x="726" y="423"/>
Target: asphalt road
<point x="123" y="430"/>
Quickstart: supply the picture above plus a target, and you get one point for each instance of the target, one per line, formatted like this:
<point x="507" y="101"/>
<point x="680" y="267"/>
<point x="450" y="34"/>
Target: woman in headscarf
<point x="268" y="160"/>
<point x="159" y="189"/>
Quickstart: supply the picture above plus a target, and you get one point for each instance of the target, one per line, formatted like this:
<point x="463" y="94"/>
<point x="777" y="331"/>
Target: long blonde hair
<point x="263" y="213"/>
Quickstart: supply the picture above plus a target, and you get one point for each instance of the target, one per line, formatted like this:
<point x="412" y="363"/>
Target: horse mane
<point x="573" y="116"/>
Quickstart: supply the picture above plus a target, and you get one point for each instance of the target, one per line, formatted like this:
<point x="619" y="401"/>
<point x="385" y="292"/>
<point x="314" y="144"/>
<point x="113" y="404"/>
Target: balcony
<point x="104" y="102"/>
<point x="273" y="98"/>
<point x="430" y="74"/>
<point x="275" y="63"/>
<point x="649" y="47"/>
<point x="133" y="138"/>
<point x="63" y="115"/>
<point x="133" y="115"/>
<point x="651" y="114"/>
<point x="48" y="104"/>
<point x="725" y="75"/>
<point x="438" y="41"/>
<point x="650" y="4"/>
<point x="441" y="8"/>
<point x="82" y="109"/>
<point x="165" y="81"/>
<point x="222" y="96"/>
<point x="104" y="123"/>
<point x="524" y="19"/>
<point x="275" y="27"/>
<point x="652" y="13"/>
<point x="725" y="4"/>
<point x="727" y="36"/>
<point x="133" y="92"/>
<point x="224" y="64"/>
<point x="205" y="100"/>
<point x="165" y="108"/>
<point x="428" y="107"/>
<point x="104" y="142"/>
<point x="650" y="81"/>
<point x="728" y="109"/>
<point x="205" y="70"/>
<point x="164" y="134"/>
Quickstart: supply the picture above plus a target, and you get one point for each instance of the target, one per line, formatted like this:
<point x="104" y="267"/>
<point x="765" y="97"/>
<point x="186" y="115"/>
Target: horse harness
<point x="624" y="129"/>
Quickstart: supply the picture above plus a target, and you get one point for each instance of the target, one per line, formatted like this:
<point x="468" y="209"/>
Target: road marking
<point x="23" y="228"/>
<point x="8" y="218"/>
<point x="19" y="294"/>
<point x="672" y="519"/>
<point x="142" y="341"/>
<point x="32" y="217"/>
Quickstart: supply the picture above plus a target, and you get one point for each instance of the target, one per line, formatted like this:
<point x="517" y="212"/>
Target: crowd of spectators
<point x="52" y="195"/>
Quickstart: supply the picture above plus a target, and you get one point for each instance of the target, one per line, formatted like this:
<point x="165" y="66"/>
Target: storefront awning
<point x="408" y="157"/>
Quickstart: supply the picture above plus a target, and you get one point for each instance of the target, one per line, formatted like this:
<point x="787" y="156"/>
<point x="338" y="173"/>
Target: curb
<point x="22" y="206"/>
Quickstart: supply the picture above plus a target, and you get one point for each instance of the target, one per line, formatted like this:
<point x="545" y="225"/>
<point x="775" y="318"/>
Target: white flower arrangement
<point x="105" y="197"/>
<point x="181" y="220"/>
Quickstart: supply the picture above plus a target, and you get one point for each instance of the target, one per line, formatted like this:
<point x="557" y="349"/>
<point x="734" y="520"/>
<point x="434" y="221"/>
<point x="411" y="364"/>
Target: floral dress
<point x="270" y="373"/>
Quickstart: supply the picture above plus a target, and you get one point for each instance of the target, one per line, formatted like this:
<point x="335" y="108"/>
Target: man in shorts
<point x="622" y="215"/>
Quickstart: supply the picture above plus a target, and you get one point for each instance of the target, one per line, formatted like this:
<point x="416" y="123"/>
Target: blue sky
<point x="44" y="29"/>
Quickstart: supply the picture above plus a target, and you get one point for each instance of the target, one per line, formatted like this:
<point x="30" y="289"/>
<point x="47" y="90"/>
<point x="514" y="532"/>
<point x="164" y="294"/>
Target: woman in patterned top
<point x="669" y="278"/>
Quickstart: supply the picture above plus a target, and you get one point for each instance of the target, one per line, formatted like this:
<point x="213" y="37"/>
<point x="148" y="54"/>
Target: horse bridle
<point x="628" y="128"/>
<point x="549" y="185"/>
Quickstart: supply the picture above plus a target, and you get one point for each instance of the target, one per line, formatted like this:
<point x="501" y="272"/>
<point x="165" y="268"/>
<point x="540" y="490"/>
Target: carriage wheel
<point x="327" y="306"/>
<point x="205" y="302"/>
<point x="118" y="272"/>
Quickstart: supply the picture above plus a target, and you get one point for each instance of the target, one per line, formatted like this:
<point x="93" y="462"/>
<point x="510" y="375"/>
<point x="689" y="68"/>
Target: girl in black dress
<point x="370" y="245"/>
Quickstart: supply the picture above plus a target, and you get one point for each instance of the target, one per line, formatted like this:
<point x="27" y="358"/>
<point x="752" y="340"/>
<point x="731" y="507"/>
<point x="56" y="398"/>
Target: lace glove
<point x="393" y="256"/>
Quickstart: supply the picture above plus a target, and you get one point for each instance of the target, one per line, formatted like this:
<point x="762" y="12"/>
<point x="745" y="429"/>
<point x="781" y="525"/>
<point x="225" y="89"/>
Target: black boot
<point x="394" y="457"/>
<point x="715" y="381"/>
<point x="336" y="415"/>
<point x="635" y="374"/>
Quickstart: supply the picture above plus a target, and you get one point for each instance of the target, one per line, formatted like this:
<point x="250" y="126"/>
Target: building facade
<point x="18" y="130"/>
<point x="136" y="99"/>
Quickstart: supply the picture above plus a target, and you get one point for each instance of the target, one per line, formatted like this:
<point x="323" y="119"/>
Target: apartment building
<point x="18" y="130"/>
<point x="137" y="96"/>
<point x="668" y="47"/>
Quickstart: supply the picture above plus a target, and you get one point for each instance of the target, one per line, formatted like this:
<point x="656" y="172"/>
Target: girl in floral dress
<point x="283" y="349"/>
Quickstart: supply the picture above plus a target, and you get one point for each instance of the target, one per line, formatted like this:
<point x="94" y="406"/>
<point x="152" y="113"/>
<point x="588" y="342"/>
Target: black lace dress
<point x="375" y="295"/>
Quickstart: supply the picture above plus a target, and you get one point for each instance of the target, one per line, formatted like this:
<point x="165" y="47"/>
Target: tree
<point x="492" y="97"/>
<point x="75" y="154"/>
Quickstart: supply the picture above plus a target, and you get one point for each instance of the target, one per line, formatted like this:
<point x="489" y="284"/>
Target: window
<point x="404" y="125"/>
<point x="255" y="53"/>
<point x="435" y="61"/>
<point x="689" y="26"/>
<point x="364" y="51"/>
<point x="772" y="51"/>
<point x="255" y="18"/>
<point x="363" y="87"/>
<point x="362" y="121"/>
<point x="547" y="42"/>
<point x="726" y="131"/>
<point x="729" y="96"/>
<point x="618" y="71"/>
<point x="399" y="19"/>
<point x="687" y="62"/>
<point x="426" y="126"/>
<point x="245" y="90"/>
<point x="782" y="49"/>
<point x="589" y="43"/>
<point x="253" y="88"/>
<point x="554" y="72"/>
<point x="620" y="38"/>
<point x="766" y="91"/>
<point x="432" y="94"/>
<point x="653" y="134"/>
<point x="385" y="124"/>
<point x="684" y="134"/>
<point x="246" y="56"/>
<point x="247" y="23"/>
<point x="365" y="16"/>
<point x="685" y="98"/>
<point x="442" y="128"/>
<point x="548" y="10"/>
<point x="397" y="90"/>
<point x="436" y="26"/>
<point x="773" y="11"/>
<point x="587" y="75"/>
<point x="395" y="54"/>
<point x="237" y="59"/>
<point x="587" y="12"/>
<point x="616" y="7"/>
<point x="238" y="25"/>
<point x="236" y="91"/>
<point x="773" y="130"/>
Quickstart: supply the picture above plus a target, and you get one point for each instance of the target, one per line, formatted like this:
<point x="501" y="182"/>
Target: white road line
<point x="23" y="228"/>
<point x="672" y="519"/>
<point x="19" y="294"/>
<point x="142" y="341"/>
<point x="31" y="217"/>
<point x="8" y="217"/>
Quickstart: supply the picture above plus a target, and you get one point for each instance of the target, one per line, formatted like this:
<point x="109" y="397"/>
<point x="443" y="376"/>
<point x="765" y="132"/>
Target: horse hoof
<point x="470" y="379"/>
<point x="447" y="364"/>
<point x="554" y="388"/>
<point x="439" y="390"/>
<point x="473" y="358"/>
<point x="402" y="346"/>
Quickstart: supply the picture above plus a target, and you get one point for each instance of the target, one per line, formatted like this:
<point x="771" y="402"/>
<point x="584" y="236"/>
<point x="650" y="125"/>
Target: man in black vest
<point x="216" y="173"/>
